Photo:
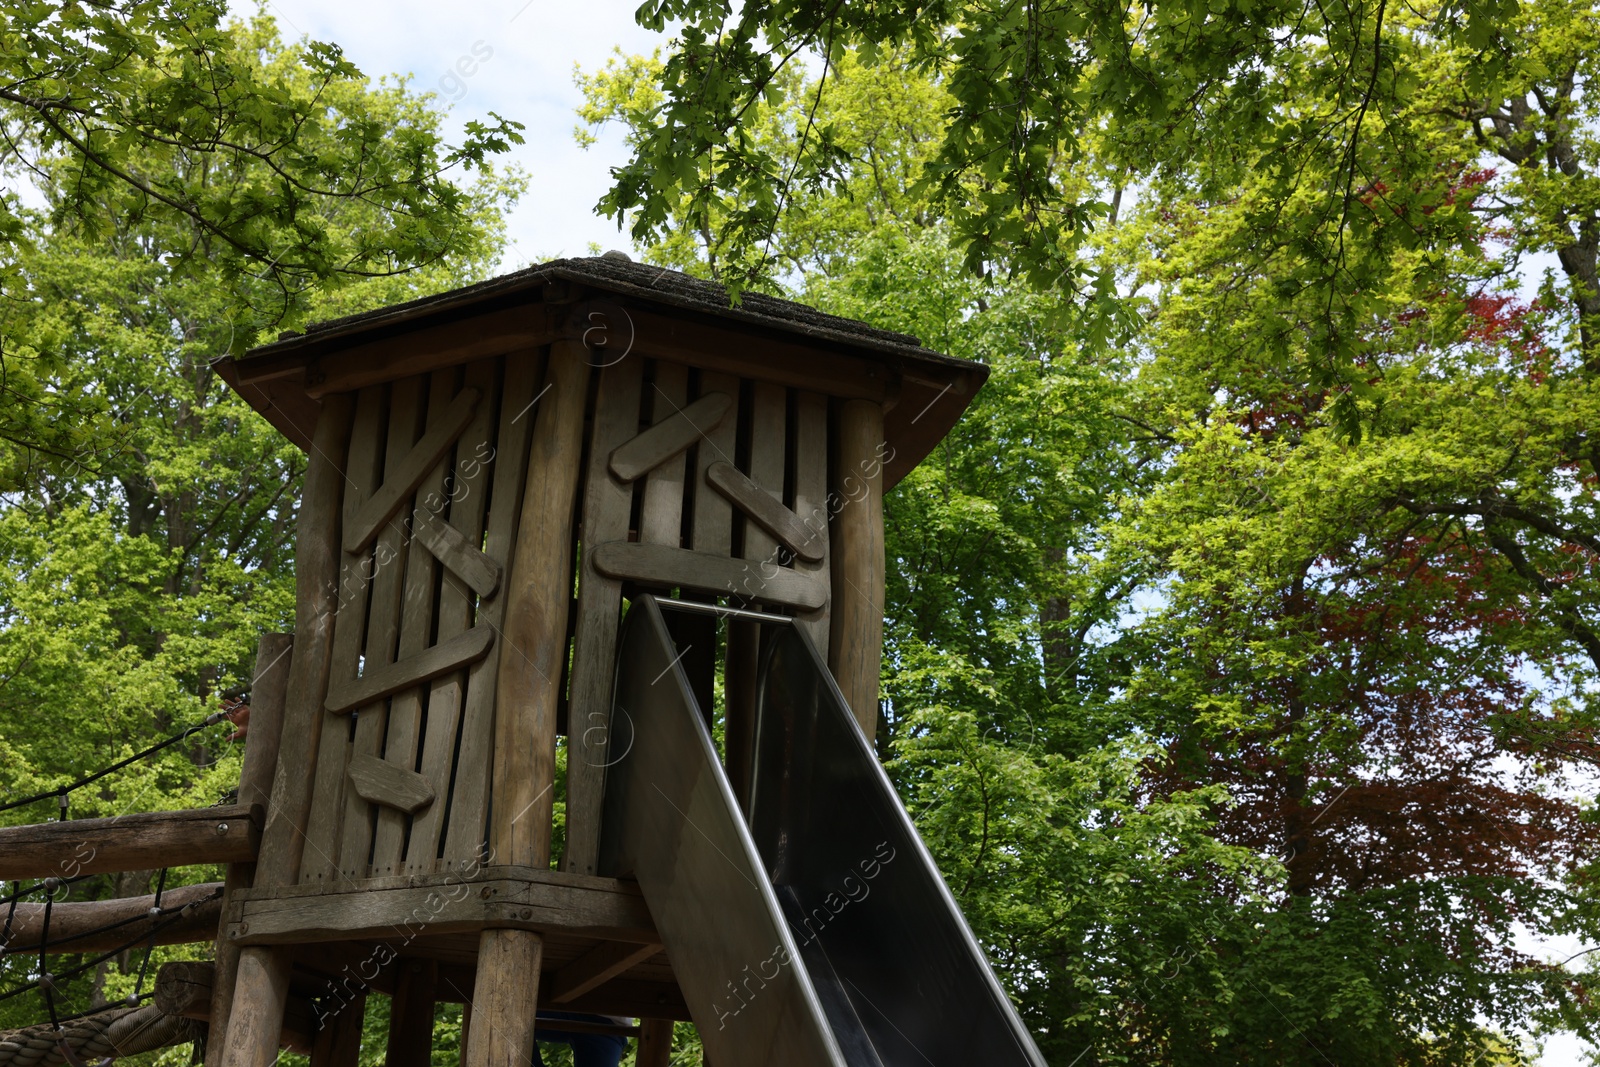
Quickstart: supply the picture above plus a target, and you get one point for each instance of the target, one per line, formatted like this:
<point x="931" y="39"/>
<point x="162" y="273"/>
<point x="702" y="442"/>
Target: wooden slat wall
<point x="402" y="601"/>
<point x="319" y="859"/>
<point x="398" y="601"/>
<point x="469" y="807"/>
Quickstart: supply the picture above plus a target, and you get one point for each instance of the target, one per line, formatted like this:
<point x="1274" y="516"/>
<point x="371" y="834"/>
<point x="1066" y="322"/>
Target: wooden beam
<point x="855" y="649"/>
<point x="663" y="565"/>
<point x="426" y="666"/>
<point x="411" y="1014"/>
<point x="338" y="1040"/>
<point x="316" y="606"/>
<point x="429" y="348"/>
<point x="79" y="925"/>
<point x="597" y="967"/>
<point x="401" y="480"/>
<point x="268" y="692"/>
<point x="747" y="351"/>
<point x="381" y="782"/>
<point x="767" y="510"/>
<point x="140" y="842"/>
<point x="528" y="686"/>
<point x="607" y="505"/>
<point x="401" y="907"/>
<point x="451" y="547"/>
<point x="669" y="436"/>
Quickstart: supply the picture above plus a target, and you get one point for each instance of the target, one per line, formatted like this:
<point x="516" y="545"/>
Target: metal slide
<point x="819" y="932"/>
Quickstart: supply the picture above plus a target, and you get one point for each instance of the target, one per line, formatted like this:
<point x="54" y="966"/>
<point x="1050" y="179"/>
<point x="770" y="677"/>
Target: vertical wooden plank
<point x="356" y="574"/>
<point x="713" y="515"/>
<point x="383" y="625"/>
<point x="855" y="649"/>
<point x="268" y="690"/>
<point x="768" y="437"/>
<point x="605" y="518"/>
<point x="655" y="1043"/>
<point x="467" y="492"/>
<point x="661" y="516"/>
<point x="338" y="1043"/>
<point x="262" y="977"/>
<point x="464" y="838"/>
<point x="501" y="1032"/>
<point x="411" y="1015"/>
<point x="533" y="636"/>
<point x="811" y="498"/>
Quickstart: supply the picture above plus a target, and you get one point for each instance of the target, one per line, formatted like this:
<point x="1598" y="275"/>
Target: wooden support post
<point x="262" y="983"/>
<point x="855" y="650"/>
<point x="527" y="698"/>
<point x="411" y="1014"/>
<point x="268" y="691"/>
<point x="655" y="1043"/>
<point x="93" y="926"/>
<point x="504" y="999"/>
<point x="338" y="1042"/>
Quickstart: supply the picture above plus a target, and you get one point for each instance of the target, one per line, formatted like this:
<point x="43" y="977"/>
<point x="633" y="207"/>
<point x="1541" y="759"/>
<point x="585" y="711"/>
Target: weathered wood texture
<point x="187" y="989"/>
<point x="380" y="782"/>
<point x="855" y="651"/>
<point x="317" y="586"/>
<point x="144" y="841"/>
<point x="607" y="506"/>
<point x="80" y="926"/>
<point x="502" y="1028"/>
<point x="261" y="993"/>
<point x="437" y="462"/>
<point x="255" y="1024"/>
<point x="595" y="968"/>
<point x="757" y="580"/>
<point x="655" y="1043"/>
<point x="528" y="693"/>
<point x="268" y="693"/>
<point x="402" y="907"/>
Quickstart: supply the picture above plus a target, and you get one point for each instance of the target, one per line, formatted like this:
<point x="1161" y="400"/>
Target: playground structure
<point x="587" y="501"/>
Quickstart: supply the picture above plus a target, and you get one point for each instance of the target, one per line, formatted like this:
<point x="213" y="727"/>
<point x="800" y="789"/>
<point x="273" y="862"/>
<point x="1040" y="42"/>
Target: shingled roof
<point x="277" y="378"/>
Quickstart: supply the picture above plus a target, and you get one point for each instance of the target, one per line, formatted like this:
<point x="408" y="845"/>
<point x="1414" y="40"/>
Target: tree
<point x="160" y="111"/>
<point x="136" y="578"/>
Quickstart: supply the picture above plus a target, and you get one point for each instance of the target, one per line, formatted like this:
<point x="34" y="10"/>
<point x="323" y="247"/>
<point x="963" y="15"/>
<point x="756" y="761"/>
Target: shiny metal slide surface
<point x="819" y="934"/>
<point x="882" y="937"/>
<point x="672" y="823"/>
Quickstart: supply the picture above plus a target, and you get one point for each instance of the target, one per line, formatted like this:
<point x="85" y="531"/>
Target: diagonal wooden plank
<point x="666" y="566"/>
<point x="669" y="436"/>
<point x="451" y="547"/>
<point x="425" y="666"/>
<point x="767" y="510"/>
<point x="401" y="480"/>
<point x="596" y="967"/>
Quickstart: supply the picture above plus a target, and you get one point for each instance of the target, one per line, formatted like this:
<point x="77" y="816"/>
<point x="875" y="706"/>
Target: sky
<point x="514" y="57"/>
<point x="517" y="57"/>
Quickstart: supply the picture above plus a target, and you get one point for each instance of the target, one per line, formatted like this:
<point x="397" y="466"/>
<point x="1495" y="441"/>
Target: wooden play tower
<point x="496" y="477"/>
